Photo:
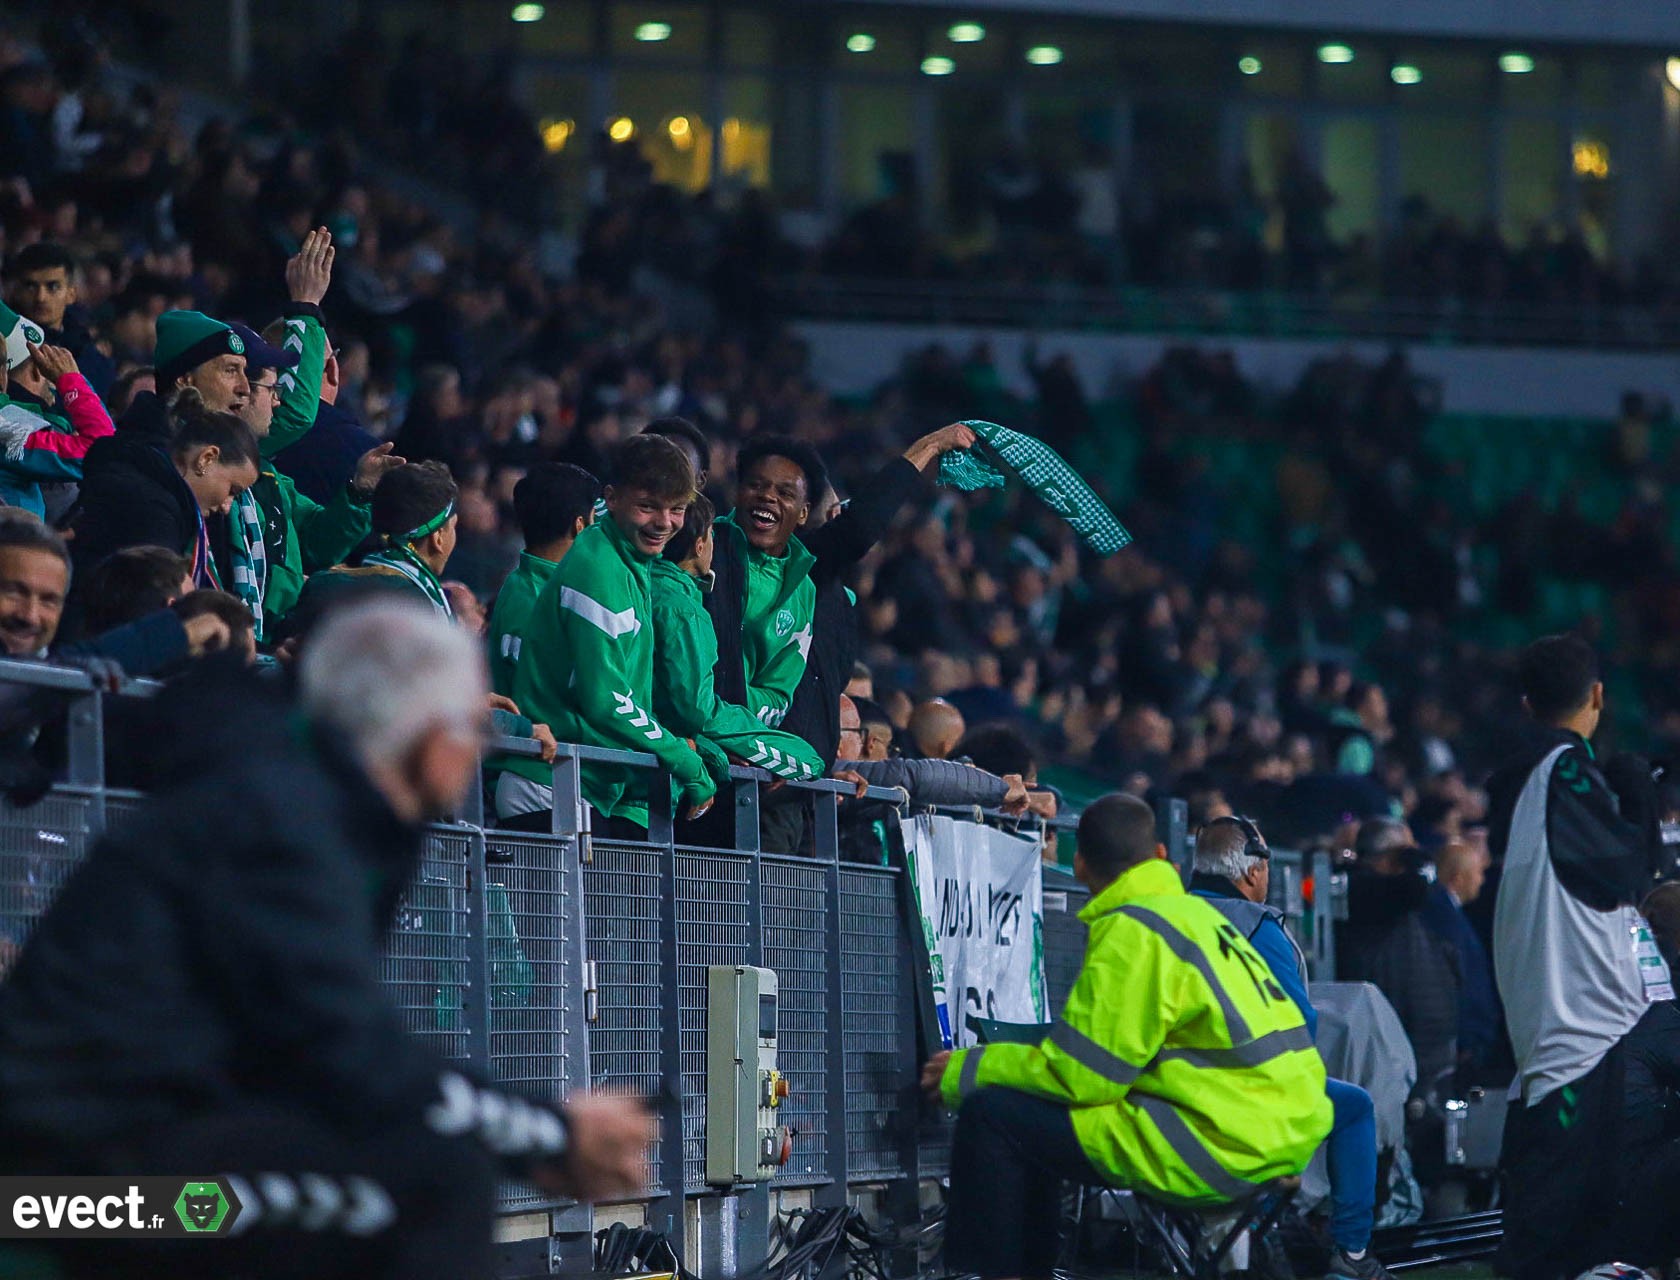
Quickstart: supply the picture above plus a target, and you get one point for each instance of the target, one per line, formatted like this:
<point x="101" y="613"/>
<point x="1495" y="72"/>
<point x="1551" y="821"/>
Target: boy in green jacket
<point x="685" y="650"/>
<point x="586" y="658"/>
<point x="768" y="573"/>
<point x="552" y="503"/>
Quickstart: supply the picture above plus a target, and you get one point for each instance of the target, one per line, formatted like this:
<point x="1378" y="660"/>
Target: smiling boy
<point x="769" y="571"/>
<point x="586" y="661"/>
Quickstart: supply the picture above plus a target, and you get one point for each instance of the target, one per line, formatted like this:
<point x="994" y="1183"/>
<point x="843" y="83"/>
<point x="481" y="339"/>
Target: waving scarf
<point x="1042" y="470"/>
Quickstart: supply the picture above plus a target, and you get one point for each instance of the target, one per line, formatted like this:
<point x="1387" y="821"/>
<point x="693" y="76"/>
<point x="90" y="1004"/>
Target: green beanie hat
<point x="186" y="339"/>
<point x="18" y="333"/>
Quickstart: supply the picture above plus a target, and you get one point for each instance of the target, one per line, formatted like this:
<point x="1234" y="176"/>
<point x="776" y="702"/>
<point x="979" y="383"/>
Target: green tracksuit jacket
<point x="514" y="603"/>
<point x="776" y="626"/>
<point x="684" y="697"/>
<point x="586" y="671"/>
<point x="299" y="535"/>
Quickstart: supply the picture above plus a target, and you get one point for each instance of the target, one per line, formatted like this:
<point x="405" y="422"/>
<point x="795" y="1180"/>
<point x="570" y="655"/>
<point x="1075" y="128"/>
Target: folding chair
<point x="1196" y="1242"/>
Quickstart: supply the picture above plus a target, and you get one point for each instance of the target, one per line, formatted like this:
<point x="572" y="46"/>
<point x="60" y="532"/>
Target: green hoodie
<point x="684" y="697"/>
<point x="775" y="625"/>
<point x="586" y="671"/>
<point x="508" y="620"/>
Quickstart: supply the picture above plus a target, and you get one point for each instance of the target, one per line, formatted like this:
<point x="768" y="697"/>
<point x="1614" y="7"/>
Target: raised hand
<point x="309" y="272"/>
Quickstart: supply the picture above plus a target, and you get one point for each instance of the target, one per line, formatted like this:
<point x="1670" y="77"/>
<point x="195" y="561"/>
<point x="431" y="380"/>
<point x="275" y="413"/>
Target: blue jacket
<point x="323" y="462"/>
<point x="1478" y="998"/>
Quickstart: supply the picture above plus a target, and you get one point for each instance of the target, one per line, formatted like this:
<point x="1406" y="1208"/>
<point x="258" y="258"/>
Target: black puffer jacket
<point x="132" y="495"/>
<point x="224" y="948"/>
<point x="1386" y="942"/>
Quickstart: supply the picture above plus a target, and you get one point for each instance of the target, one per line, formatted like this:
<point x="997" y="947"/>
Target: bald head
<point x="1461" y="867"/>
<point x="937" y="727"/>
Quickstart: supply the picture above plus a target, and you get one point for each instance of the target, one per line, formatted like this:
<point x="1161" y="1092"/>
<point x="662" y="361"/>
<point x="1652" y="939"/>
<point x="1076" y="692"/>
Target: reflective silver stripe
<point x="968" y="1079"/>
<point x="1190" y="953"/>
<point x="1092" y="1056"/>
<point x="1188" y="1148"/>
<point x="1253" y="1054"/>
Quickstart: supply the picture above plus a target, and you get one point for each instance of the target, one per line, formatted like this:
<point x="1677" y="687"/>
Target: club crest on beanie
<point x="18" y="332"/>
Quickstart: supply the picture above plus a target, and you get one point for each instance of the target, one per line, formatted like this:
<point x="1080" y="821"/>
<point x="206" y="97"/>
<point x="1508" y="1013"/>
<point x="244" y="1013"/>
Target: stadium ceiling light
<point x="1516" y="64"/>
<point x="527" y="13"/>
<point x="862" y="42"/>
<point x="1672" y="70"/>
<point x="1044" y="55"/>
<point x="966" y="33"/>
<point x="1335" y="53"/>
<point x="1404" y="73"/>
<point x="556" y="134"/>
<point x="653" y="32"/>
<point x="622" y="129"/>
<point x="937" y="66"/>
<point x="1249" y="66"/>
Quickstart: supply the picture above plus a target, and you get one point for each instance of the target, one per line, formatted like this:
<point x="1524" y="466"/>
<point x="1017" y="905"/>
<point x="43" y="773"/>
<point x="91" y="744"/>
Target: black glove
<point x="1629" y="776"/>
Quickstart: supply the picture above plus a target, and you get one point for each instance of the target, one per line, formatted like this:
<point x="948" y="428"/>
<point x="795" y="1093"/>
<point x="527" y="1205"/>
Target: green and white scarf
<point x="250" y="556"/>
<point x="399" y="555"/>
<point x="1042" y="470"/>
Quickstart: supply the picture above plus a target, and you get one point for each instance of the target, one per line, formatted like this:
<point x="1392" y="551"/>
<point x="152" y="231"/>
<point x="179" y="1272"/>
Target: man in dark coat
<point x="205" y="996"/>
<point x="1386" y="942"/>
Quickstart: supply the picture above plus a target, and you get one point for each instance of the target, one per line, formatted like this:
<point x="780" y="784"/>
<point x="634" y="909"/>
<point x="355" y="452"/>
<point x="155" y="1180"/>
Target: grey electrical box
<point x="745" y="1141"/>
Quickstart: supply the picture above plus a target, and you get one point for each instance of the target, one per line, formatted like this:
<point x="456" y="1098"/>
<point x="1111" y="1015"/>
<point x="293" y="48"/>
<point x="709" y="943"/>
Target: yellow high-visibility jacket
<point x="1189" y="1073"/>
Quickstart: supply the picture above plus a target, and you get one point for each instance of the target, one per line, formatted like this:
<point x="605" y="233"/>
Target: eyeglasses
<point x="272" y="388"/>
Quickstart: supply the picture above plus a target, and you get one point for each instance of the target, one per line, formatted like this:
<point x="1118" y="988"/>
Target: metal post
<point x="748" y="799"/>
<point x="660" y="826"/>
<point x="1322" y="956"/>
<point x="86" y="750"/>
<point x="475" y="997"/>
<point x="577" y="1219"/>
<point x="667" y="1214"/>
<point x="1172" y="823"/>
<point x="571" y="815"/>
<point x="839" y="1175"/>
<point x="903" y="1196"/>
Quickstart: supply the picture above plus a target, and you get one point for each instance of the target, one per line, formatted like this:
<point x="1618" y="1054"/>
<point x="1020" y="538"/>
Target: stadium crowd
<point x="457" y="380"/>
<point x="243" y="385"/>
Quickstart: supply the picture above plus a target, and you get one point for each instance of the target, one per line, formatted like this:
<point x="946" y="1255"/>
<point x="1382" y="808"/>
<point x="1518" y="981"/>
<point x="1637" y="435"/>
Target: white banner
<point x="981" y="900"/>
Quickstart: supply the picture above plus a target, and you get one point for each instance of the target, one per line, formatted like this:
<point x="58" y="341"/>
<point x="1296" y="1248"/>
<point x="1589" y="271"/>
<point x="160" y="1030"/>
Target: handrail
<point x="530" y="748"/>
<point x="47" y="674"/>
<point x="1225" y="311"/>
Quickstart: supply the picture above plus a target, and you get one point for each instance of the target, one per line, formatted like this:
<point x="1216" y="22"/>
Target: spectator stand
<point x="558" y="962"/>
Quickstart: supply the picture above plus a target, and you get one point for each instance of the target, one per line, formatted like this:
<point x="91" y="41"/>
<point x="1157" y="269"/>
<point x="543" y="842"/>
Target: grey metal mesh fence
<point x="794" y="907"/>
<point x="1064" y="949"/>
<point x="621" y="914"/>
<point x="714" y="926"/>
<point x="425" y="966"/>
<point x="871" y="952"/>
<point x="529" y="910"/>
<point x="39" y="848"/>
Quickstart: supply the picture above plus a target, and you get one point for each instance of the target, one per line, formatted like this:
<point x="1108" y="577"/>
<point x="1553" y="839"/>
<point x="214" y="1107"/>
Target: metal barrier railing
<point x="566" y="960"/>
